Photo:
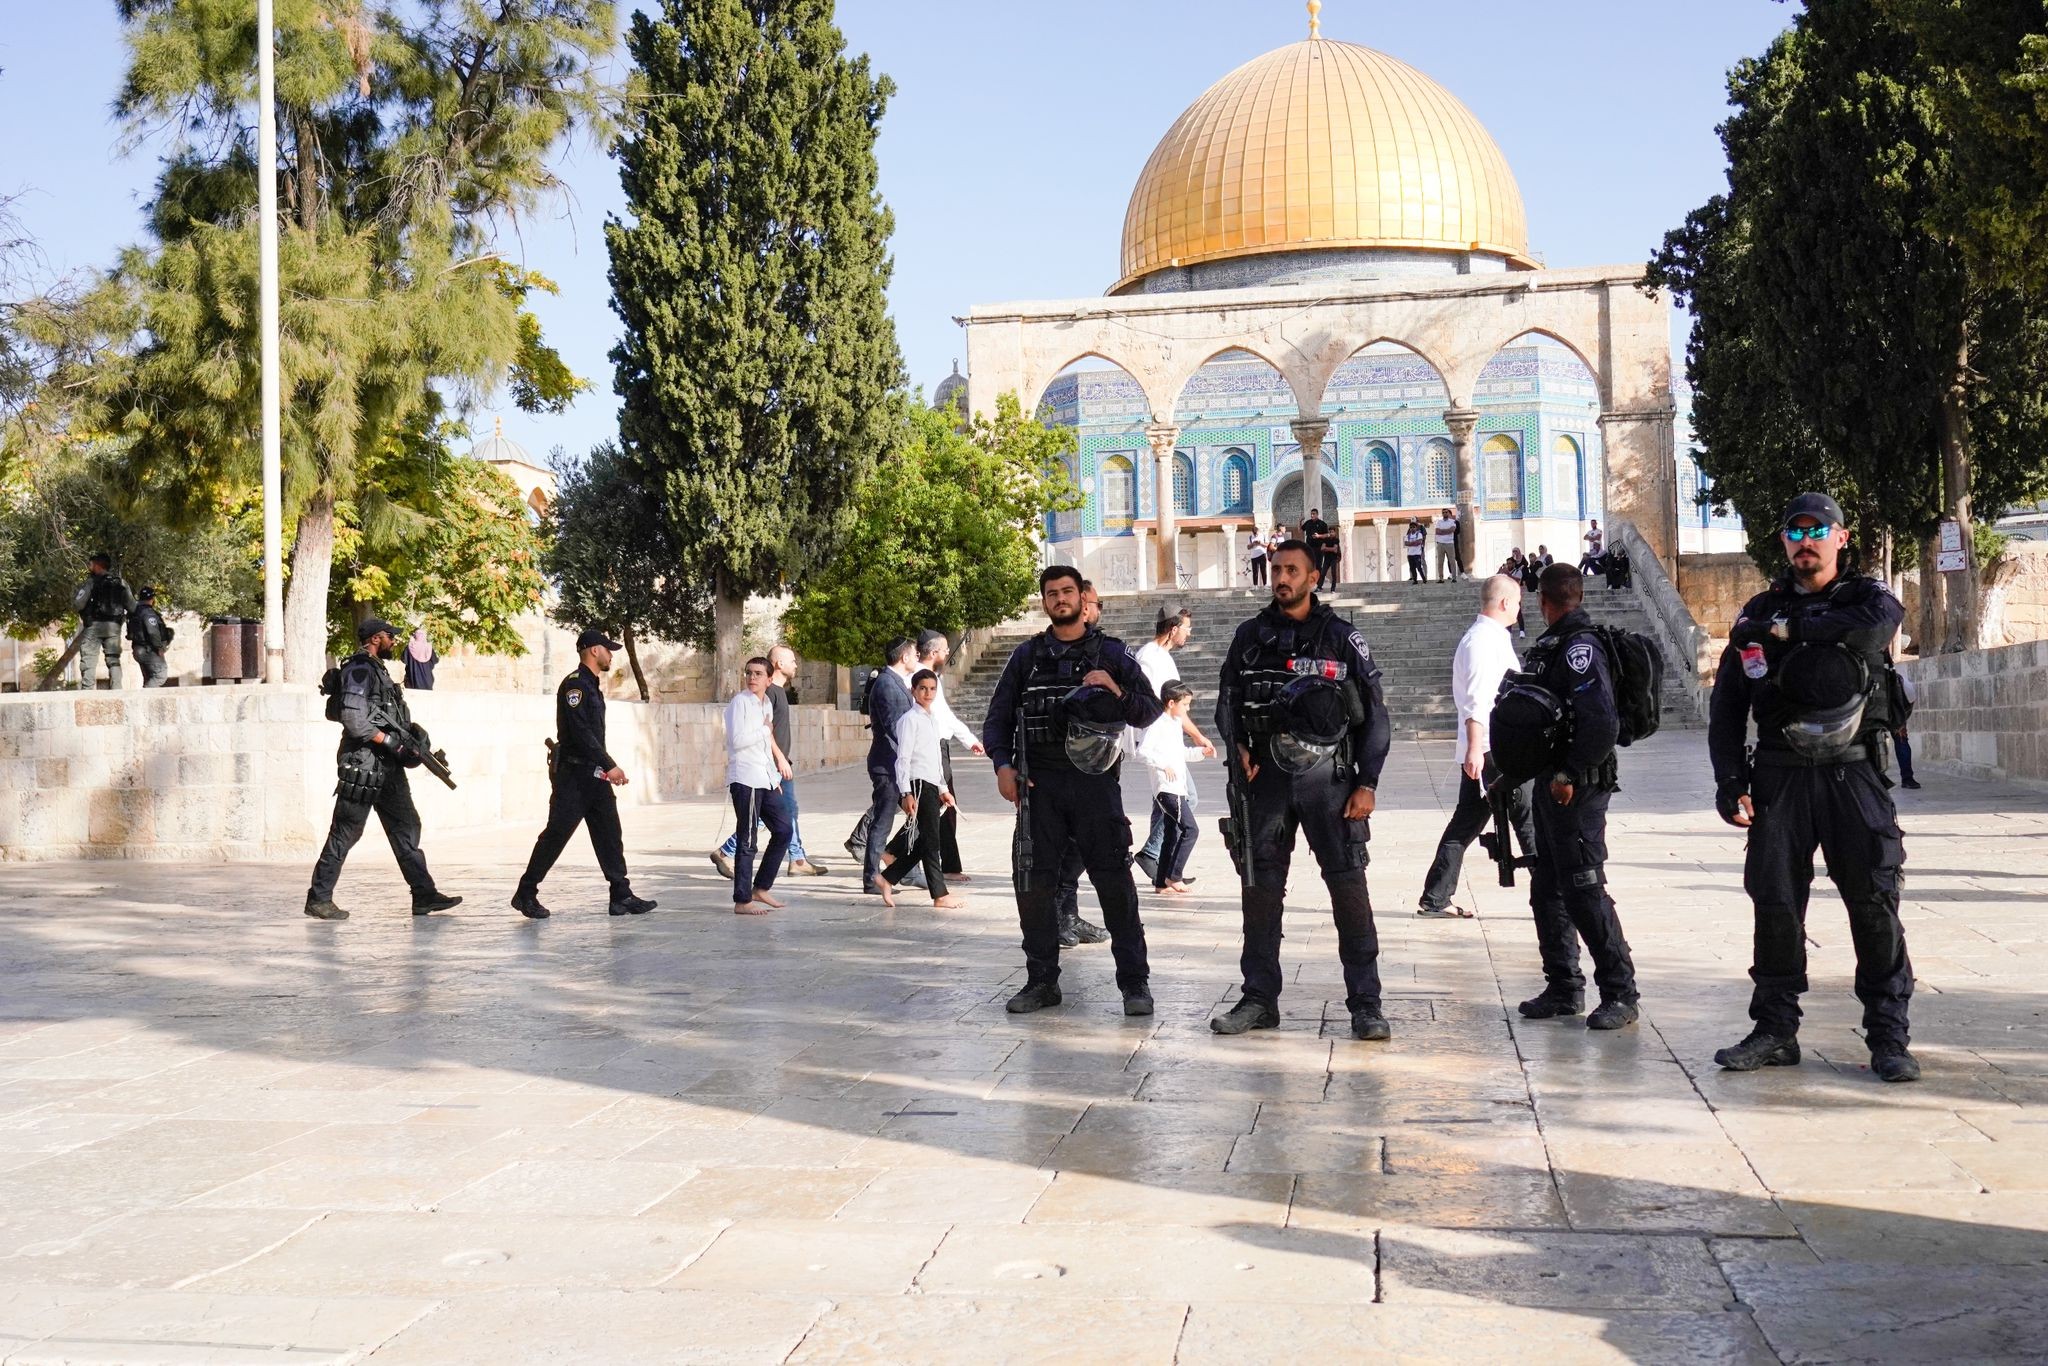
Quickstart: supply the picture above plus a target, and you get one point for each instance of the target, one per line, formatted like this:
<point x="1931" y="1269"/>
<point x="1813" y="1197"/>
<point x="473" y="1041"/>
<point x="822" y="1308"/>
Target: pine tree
<point x="407" y="129"/>
<point x="758" y="361"/>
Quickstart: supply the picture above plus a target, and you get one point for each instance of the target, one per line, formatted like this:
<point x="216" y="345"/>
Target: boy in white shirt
<point x="754" y="770"/>
<point x="1168" y="759"/>
<point x="921" y="778"/>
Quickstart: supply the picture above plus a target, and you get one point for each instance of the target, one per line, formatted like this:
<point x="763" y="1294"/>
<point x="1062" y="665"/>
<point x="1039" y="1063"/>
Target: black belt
<point x="1785" y="758"/>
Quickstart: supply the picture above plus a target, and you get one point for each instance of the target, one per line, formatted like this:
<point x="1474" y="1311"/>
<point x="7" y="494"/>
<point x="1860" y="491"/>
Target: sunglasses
<point x="1808" y="533"/>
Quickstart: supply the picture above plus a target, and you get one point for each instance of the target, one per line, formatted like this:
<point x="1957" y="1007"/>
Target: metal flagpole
<point x="273" y="476"/>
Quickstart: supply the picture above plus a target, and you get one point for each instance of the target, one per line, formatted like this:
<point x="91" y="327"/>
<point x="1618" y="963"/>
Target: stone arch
<point x="1591" y="358"/>
<point x="1033" y="390"/>
<point x="1185" y="374"/>
<point x="1333" y="353"/>
<point x="1290" y="504"/>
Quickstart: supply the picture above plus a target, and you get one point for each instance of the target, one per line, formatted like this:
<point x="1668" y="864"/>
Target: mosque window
<point x="1119" y="493"/>
<point x="1566" y="495"/>
<point x="1237" y="482"/>
<point x="1183" y="485"/>
<point x="1689" y="509"/>
<point x="1502" y="460"/>
<point x="1439" y="472"/>
<point x="1377" y="472"/>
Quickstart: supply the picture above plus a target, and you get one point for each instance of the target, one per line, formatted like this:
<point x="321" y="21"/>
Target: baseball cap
<point x="1818" y="506"/>
<point x="372" y="626"/>
<point x="593" y="637"/>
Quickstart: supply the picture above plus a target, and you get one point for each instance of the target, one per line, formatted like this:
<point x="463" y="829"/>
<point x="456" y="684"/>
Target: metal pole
<point x="273" y="476"/>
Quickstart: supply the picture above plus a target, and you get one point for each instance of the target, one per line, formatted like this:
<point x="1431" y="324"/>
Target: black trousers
<point x="930" y="824"/>
<point x="1258" y="570"/>
<point x="882" y="807"/>
<point x="751" y="807"/>
<point x="1417" y="572"/>
<point x="1846" y="811"/>
<point x="1326" y="570"/>
<point x="1067" y="901"/>
<point x="1568" y="895"/>
<point x="1313" y="804"/>
<point x="1088" y="810"/>
<point x="401" y="822"/>
<point x="949" y="826"/>
<point x="587" y="800"/>
<point x="1472" y="813"/>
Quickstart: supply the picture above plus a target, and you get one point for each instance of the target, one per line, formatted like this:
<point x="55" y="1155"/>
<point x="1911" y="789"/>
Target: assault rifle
<point x="1236" y="828"/>
<point x="1499" y="842"/>
<point x="414" y="735"/>
<point x="1020" y="837"/>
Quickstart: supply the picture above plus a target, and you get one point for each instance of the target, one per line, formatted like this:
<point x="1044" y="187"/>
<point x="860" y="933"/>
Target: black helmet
<point x="1824" y="689"/>
<point x="1526" y="731"/>
<point x="1313" y="721"/>
<point x="1092" y="727"/>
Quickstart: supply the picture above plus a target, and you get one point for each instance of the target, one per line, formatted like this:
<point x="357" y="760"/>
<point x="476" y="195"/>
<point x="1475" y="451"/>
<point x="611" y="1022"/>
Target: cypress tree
<point x="759" y="364"/>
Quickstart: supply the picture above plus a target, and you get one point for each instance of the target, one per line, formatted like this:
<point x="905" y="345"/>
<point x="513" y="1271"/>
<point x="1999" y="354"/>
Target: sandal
<point x="1447" y="913"/>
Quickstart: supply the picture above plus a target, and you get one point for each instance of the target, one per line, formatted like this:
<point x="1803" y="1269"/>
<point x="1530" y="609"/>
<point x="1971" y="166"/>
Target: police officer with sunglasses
<point x="1807" y="662"/>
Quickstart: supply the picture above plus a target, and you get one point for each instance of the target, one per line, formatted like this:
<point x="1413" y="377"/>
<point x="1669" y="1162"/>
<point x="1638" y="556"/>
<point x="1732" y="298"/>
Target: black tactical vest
<point x="1057" y="668"/>
<point x="1280" y="653"/>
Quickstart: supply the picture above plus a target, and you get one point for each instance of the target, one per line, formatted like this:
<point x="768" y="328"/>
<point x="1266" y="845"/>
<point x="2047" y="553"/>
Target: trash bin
<point x="252" y="649"/>
<point x="224" y="649"/>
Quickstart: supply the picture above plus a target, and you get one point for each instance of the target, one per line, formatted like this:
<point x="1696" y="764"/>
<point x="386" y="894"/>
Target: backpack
<point x="1638" y="671"/>
<point x="330" y="688"/>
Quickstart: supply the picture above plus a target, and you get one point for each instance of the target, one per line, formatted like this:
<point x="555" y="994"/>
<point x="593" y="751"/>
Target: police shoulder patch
<point x="575" y="697"/>
<point x="1580" y="657"/>
<point x="1358" y="644"/>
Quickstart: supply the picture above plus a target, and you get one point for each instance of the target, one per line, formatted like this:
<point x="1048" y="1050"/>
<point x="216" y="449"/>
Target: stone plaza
<point x="230" y="1134"/>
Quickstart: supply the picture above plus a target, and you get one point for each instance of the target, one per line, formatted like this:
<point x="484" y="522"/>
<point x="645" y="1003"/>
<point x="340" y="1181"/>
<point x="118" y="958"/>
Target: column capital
<point x="1310" y="431"/>
<point x="1164" y="436"/>
<point x="1461" y="421"/>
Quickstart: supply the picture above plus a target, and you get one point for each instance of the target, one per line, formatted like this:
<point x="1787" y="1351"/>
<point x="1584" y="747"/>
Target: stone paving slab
<point x="231" y="1134"/>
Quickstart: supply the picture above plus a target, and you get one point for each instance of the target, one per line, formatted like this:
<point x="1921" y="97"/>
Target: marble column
<point x="1163" y="436"/>
<point x="1311" y="432"/>
<point x="1460" y="422"/>
<point x="1230" y="555"/>
<point x="1382" y="568"/>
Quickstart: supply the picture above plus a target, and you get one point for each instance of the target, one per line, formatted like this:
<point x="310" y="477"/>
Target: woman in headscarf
<point x="420" y="660"/>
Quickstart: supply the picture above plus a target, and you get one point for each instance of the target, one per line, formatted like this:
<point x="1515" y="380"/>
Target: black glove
<point x="410" y="757"/>
<point x="1750" y="631"/>
<point x="1727" y="797"/>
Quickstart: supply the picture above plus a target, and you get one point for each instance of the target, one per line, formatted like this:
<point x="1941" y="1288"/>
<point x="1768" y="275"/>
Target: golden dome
<point x="1322" y="145"/>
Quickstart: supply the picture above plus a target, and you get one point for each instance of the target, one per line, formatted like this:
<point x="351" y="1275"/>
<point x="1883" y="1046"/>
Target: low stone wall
<point x="248" y="772"/>
<point x="1716" y="586"/>
<point x="1983" y="713"/>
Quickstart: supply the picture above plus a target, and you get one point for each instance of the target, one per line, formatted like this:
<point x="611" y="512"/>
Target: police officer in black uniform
<point x="149" y="636"/>
<point x="582" y="776"/>
<point x="1807" y="659"/>
<point x="1568" y="885"/>
<point x="379" y="742"/>
<point x="103" y="603"/>
<point x="1054" y="734"/>
<point x="1075" y="931"/>
<point x="1299" y="711"/>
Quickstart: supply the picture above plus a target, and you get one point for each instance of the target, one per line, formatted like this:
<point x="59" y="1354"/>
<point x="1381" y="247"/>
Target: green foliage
<point x="59" y="511"/>
<point x="758" y="360"/>
<point x="612" y="559"/>
<point x="408" y="129"/>
<point x="1833" y="317"/>
<point x="944" y="535"/>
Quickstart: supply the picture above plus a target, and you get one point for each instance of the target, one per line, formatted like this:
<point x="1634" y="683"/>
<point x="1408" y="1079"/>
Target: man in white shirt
<point x="1485" y="656"/>
<point x="1589" y="563"/>
<point x="1168" y="758"/>
<point x="754" y="769"/>
<point x="920" y="774"/>
<point x="1171" y="631"/>
<point x="1447" y="567"/>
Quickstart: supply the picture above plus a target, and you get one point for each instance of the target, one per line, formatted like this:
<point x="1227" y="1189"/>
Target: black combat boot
<point x="1760" y="1049"/>
<point x="528" y="904"/>
<point x="1247" y="1014"/>
<point x="1367" y="1023"/>
<point x="434" y="901"/>
<point x="1034" y="996"/>
<point x="324" y="910"/>
<point x="1138" y="1001"/>
<point x="631" y="905"/>
<point x="1552" y="1002"/>
<point x="1613" y="1015"/>
<point x="1891" y="1062"/>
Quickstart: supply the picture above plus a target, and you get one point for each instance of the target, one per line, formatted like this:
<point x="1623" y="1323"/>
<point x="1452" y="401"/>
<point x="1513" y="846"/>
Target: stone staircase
<point x="1413" y="631"/>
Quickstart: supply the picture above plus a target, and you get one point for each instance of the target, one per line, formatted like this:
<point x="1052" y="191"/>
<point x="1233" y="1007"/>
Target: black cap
<point x="146" y="593"/>
<point x="927" y="639"/>
<point x="1818" y="506"/>
<point x="594" y="637"/>
<point x="371" y="626"/>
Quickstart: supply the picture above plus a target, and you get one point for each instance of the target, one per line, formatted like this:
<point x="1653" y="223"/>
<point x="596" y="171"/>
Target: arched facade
<point x="1458" y="326"/>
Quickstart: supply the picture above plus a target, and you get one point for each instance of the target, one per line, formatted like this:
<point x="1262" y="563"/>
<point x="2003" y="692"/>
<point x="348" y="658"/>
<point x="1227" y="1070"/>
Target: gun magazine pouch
<point x="359" y="783"/>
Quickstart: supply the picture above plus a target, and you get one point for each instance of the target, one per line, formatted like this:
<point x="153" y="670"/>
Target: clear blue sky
<point x="1016" y="135"/>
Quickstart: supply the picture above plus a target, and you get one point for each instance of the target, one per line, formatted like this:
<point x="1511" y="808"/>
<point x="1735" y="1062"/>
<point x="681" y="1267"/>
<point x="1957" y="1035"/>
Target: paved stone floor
<point x="230" y="1134"/>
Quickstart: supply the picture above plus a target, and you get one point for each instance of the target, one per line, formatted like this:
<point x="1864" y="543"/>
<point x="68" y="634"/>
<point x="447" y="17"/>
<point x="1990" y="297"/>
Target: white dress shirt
<point x="917" y="750"/>
<point x="748" y="759"/>
<point x="1484" y="657"/>
<point x="1446" y="531"/>
<point x="1162" y="750"/>
<point x="948" y="722"/>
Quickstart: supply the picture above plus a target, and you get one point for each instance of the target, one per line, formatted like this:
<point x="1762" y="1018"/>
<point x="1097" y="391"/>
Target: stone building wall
<point x="1983" y="713"/>
<point x="248" y="773"/>
<point x="1715" y="587"/>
